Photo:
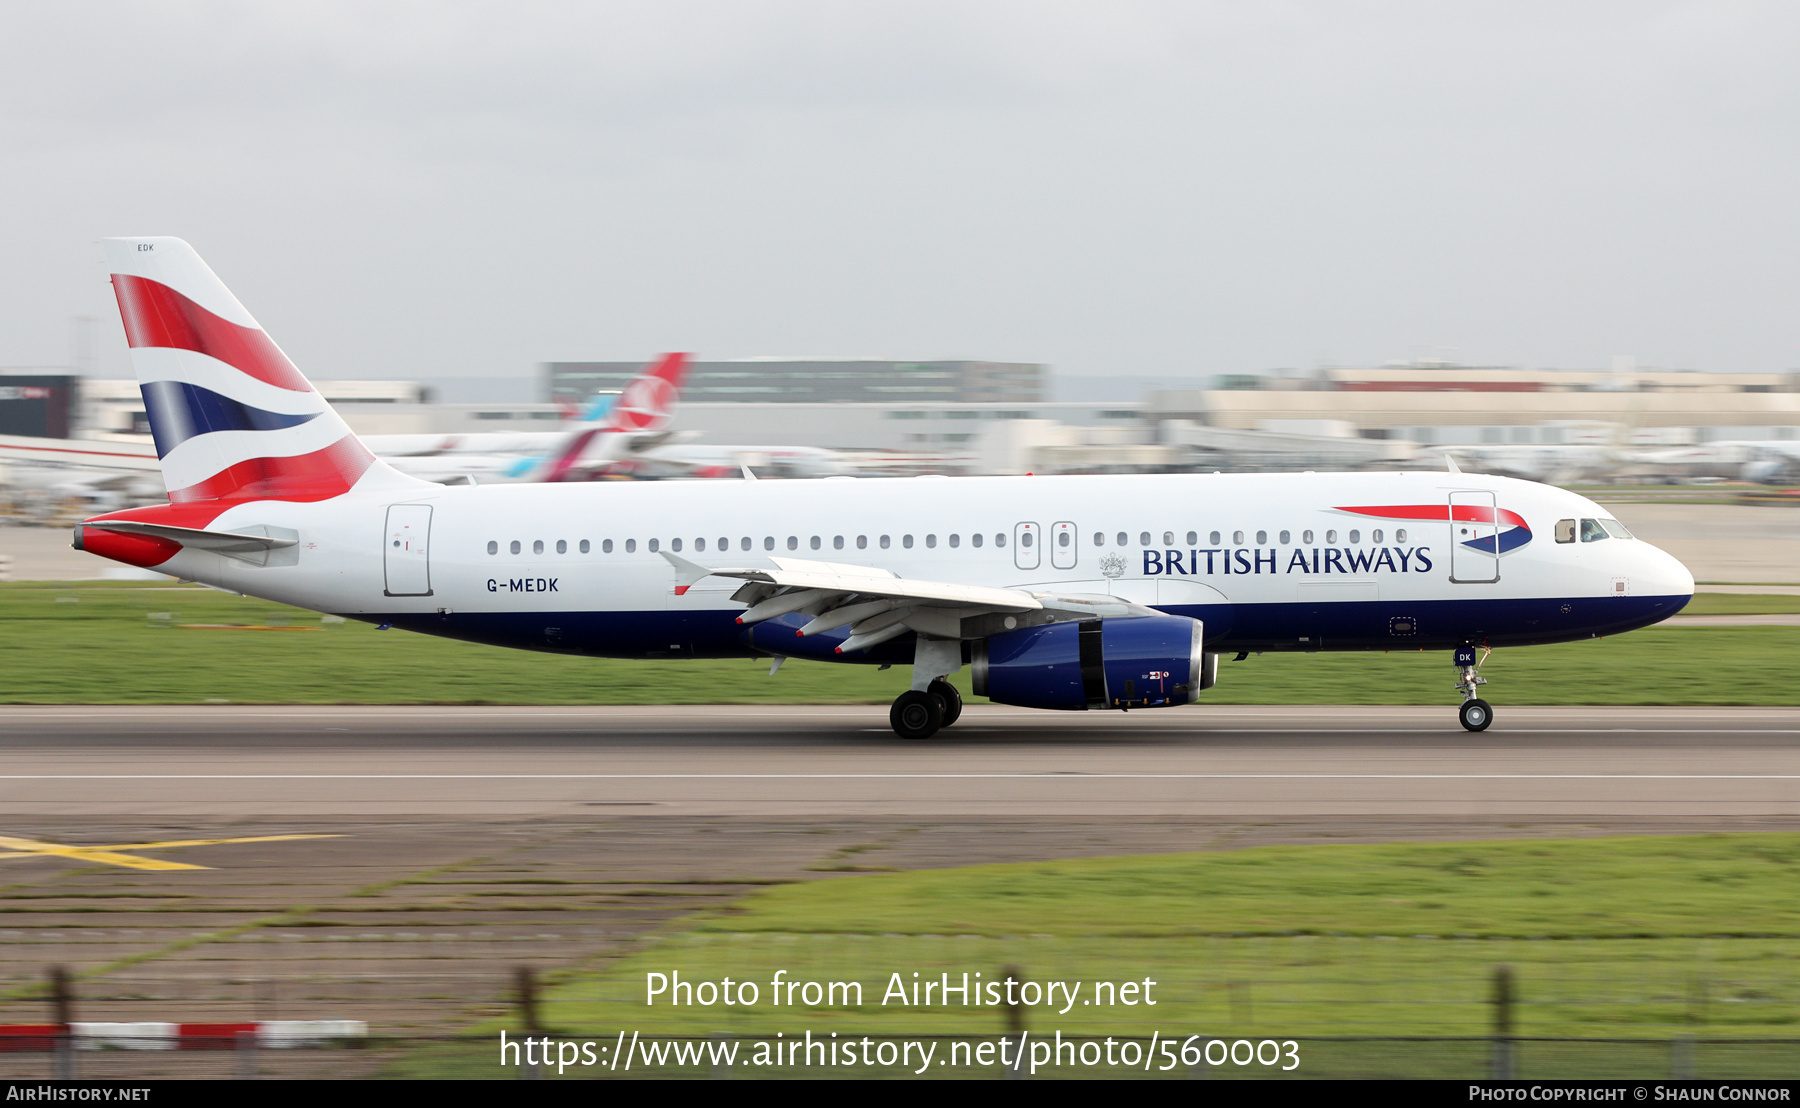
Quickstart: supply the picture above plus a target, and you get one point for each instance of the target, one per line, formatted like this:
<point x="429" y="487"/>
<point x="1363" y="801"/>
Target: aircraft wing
<point x="877" y="605"/>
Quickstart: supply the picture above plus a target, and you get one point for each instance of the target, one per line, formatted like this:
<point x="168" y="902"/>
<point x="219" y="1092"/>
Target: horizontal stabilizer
<point x="246" y="546"/>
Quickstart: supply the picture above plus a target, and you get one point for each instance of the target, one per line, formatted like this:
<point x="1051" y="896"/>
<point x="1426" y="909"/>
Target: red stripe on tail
<point x="320" y="475"/>
<point x="157" y="315"/>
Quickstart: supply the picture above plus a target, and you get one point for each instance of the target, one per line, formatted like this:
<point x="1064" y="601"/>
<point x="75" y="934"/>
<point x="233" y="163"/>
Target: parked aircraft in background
<point x="1097" y="592"/>
<point x="613" y="429"/>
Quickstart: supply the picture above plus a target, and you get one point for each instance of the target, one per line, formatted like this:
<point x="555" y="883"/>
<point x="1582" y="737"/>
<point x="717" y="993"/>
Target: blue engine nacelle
<point x="1136" y="662"/>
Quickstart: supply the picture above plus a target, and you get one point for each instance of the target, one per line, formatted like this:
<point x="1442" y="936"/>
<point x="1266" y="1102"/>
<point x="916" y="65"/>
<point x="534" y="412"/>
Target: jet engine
<point x="1132" y="662"/>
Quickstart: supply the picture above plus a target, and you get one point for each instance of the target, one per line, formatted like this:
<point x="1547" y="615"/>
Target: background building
<point x="816" y="381"/>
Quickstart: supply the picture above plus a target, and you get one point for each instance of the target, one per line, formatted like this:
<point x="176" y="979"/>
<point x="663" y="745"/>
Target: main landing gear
<point x="1475" y="713"/>
<point x="919" y="713"/>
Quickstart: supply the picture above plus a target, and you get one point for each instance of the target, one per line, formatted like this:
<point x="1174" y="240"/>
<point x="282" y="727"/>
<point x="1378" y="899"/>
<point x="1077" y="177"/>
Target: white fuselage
<point x="1298" y="561"/>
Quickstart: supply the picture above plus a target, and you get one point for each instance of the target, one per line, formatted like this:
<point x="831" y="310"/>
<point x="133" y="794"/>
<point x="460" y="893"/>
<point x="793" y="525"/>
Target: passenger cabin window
<point x="1355" y="537"/>
<point x="906" y="541"/>
<point x="1400" y="534"/>
<point x="793" y="542"/>
<point x="700" y="545"/>
<point x="493" y="547"/>
<point x="606" y="546"/>
<point x="1168" y="538"/>
<point x="1193" y="539"/>
<point x="1330" y="537"/>
<point x="1143" y="538"/>
<point x="1025" y="539"/>
<point x="744" y="543"/>
<point x="1306" y="536"/>
<point x="1213" y="539"/>
<point x="1591" y="531"/>
<point x="655" y="545"/>
<point x="584" y="546"/>
<point x="674" y="544"/>
<point x="515" y="546"/>
<point x="1284" y="538"/>
<point x="562" y="546"/>
<point x="1000" y="538"/>
<point x="956" y="541"/>
<point x="814" y="542"/>
<point x="1375" y="536"/>
<point x="631" y="546"/>
<point x="1099" y="539"/>
<point x="862" y="542"/>
<point x="1237" y="537"/>
<point x="885" y="541"/>
<point x="1262" y="538"/>
<point x="1124" y="539"/>
<point x="931" y="542"/>
<point x="975" y="539"/>
<point x="537" y="547"/>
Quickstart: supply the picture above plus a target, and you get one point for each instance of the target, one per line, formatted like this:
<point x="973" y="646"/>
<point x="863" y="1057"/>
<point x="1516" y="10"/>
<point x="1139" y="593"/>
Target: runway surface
<point x="1237" y="762"/>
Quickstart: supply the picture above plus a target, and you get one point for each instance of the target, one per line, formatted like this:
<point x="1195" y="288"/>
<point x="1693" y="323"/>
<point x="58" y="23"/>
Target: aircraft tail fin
<point x="232" y="417"/>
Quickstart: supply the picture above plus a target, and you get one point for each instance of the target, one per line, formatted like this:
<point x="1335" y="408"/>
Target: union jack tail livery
<point x="232" y="418"/>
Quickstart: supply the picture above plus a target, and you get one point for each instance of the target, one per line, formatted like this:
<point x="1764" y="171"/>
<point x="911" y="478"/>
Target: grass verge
<point x="1635" y="937"/>
<point x="122" y="643"/>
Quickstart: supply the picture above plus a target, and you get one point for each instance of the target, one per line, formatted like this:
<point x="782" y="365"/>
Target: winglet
<point x="749" y="474"/>
<point x="1450" y="460"/>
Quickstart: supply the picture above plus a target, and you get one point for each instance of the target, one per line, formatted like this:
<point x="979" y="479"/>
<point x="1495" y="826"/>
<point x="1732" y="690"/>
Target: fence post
<point x="1015" y="1019"/>
<point x="62" y="1014"/>
<point x="1502" y="1067"/>
<point x="245" y="1049"/>
<point x="1681" y="1056"/>
<point x="526" y="983"/>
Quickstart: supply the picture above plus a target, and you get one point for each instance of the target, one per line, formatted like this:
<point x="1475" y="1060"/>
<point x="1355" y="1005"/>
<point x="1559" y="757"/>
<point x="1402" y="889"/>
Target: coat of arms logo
<point x="1112" y="565"/>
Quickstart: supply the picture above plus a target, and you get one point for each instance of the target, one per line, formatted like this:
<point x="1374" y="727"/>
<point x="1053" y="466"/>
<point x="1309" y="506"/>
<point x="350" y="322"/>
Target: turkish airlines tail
<point x="646" y="406"/>
<point x="232" y="418"/>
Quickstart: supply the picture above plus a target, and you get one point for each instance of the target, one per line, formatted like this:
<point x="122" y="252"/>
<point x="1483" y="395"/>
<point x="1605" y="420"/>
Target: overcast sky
<point x="439" y="189"/>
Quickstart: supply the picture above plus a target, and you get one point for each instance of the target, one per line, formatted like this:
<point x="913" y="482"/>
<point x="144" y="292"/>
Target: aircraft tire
<point x="952" y="700"/>
<point x="916" y="715"/>
<point x="1475" y="715"/>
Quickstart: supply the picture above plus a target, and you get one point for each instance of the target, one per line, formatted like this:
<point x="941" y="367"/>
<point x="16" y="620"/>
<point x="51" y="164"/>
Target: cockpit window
<point x="1591" y="531"/>
<point x="1565" y="530"/>
<point x="1615" y="528"/>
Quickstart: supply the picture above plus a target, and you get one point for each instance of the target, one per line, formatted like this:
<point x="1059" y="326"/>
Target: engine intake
<point x="1135" y="662"/>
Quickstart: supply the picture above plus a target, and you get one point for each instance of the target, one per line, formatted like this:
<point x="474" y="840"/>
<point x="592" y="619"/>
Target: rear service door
<point x="1065" y="545"/>
<point x="1474" y="538"/>
<point x="1026" y="552"/>
<point x="406" y="552"/>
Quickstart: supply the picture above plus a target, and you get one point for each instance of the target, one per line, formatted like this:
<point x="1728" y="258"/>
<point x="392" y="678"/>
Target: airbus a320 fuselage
<point x="1075" y="592"/>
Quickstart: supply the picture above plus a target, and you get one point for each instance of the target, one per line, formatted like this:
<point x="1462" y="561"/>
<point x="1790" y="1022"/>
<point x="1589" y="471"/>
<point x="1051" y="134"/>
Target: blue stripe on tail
<point x="179" y="411"/>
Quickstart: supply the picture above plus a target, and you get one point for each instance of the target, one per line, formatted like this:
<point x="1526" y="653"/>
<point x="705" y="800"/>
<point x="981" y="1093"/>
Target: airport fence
<point x="644" y="1057"/>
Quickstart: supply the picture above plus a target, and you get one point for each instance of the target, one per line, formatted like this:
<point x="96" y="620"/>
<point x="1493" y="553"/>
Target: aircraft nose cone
<point x="1666" y="576"/>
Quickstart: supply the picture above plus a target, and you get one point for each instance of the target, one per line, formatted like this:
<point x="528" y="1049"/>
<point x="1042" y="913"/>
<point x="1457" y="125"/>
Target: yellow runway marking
<point x="110" y="855"/>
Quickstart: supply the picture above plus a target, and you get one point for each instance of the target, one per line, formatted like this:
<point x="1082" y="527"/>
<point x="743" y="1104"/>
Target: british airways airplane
<point x="1076" y="593"/>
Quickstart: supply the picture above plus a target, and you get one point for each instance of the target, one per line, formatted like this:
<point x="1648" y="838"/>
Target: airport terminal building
<point x="817" y="381"/>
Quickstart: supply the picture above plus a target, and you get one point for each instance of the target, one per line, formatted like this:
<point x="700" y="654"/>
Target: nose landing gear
<point x="1475" y="713"/>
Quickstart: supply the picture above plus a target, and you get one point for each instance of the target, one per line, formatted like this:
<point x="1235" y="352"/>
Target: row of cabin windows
<point x="1238" y="538"/>
<point x="817" y="542"/>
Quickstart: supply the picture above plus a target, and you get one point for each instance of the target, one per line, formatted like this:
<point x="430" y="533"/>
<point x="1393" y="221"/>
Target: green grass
<point x="1741" y="604"/>
<point x="1624" y="937"/>
<point x="126" y="643"/>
